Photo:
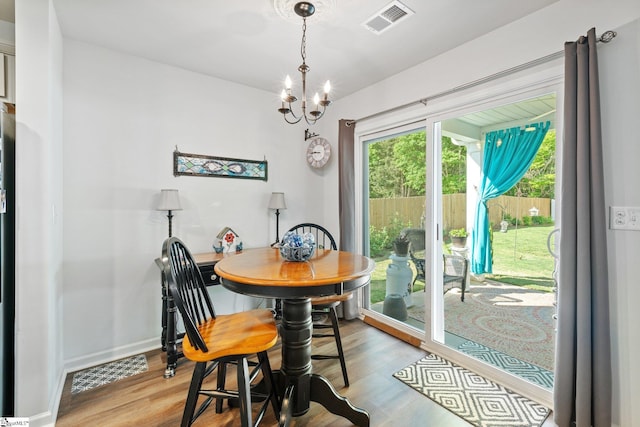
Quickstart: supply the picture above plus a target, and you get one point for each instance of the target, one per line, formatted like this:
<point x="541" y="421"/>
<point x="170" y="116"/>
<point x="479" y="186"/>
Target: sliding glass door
<point x="393" y="211"/>
<point x="493" y="292"/>
<point x="421" y="185"/>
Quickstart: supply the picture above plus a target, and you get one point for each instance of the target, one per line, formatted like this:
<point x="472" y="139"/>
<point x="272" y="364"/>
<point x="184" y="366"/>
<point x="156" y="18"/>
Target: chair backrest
<point x="455" y="266"/>
<point x="187" y="288"/>
<point x="324" y="239"/>
<point x="416" y="237"/>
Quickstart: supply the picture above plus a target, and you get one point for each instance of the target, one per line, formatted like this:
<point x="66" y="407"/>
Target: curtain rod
<point x="606" y="37"/>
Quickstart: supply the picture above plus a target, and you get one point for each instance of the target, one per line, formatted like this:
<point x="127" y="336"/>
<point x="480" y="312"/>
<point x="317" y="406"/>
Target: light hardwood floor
<point x="372" y="357"/>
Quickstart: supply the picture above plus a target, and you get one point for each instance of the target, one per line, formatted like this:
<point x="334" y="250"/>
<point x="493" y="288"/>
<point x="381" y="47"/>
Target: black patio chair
<point x="455" y="269"/>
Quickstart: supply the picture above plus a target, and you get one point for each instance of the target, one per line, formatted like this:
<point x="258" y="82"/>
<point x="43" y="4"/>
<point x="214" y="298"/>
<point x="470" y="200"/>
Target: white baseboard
<point x="95" y="359"/>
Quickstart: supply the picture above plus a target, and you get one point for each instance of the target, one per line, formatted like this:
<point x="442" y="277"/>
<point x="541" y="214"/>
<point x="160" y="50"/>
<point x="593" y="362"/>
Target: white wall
<point x="535" y="36"/>
<point x="619" y="66"/>
<point x="124" y="116"/>
<point x="39" y="195"/>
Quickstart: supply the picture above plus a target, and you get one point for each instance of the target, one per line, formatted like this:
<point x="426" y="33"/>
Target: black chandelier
<point x="303" y="9"/>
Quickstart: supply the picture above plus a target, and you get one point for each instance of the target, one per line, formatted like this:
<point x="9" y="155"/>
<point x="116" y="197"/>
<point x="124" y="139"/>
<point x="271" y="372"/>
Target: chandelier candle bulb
<point x="327" y="89"/>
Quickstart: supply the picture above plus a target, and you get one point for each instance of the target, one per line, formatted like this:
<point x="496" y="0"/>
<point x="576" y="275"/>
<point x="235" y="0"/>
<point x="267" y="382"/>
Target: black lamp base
<point x="276" y="244"/>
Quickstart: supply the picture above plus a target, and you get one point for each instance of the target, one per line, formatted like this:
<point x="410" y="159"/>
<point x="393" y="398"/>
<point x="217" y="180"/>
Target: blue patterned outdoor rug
<point x="470" y="396"/>
<point x="525" y="370"/>
<point x="108" y="373"/>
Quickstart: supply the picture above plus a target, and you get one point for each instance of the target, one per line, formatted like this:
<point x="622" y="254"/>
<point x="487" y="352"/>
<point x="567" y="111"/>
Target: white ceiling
<point x="247" y="42"/>
<point x="473" y="126"/>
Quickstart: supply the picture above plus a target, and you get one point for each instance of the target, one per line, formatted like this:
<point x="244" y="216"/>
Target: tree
<point x="409" y="154"/>
<point x="384" y="176"/>
<point x="397" y="166"/>
<point x="454" y="167"/>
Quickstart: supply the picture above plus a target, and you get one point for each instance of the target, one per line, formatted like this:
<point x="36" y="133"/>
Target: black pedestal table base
<point x="301" y="386"/>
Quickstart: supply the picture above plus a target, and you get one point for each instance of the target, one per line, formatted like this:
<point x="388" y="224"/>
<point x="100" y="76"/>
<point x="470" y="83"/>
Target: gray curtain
<point x="582" y="389"/>
<point x="347" y="192"/>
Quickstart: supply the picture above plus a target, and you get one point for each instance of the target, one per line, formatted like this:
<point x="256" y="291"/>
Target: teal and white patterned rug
<point x="513" y="365"/>
<point x="470" y="396"/>
<point x="108" y="373"/>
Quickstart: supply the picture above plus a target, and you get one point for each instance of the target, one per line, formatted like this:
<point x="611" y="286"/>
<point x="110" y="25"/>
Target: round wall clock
<point x="318" y="152"/>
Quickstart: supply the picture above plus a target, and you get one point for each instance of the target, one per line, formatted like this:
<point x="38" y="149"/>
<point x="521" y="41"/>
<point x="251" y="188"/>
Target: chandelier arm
<point x="292" y="122"/>
<point x="310" y="122"/>
<point x="292" y="113"/>
<point x="295" y="120"/>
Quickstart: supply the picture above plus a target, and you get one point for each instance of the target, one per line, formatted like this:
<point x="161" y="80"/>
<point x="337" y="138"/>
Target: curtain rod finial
<point x="607" y="36"/>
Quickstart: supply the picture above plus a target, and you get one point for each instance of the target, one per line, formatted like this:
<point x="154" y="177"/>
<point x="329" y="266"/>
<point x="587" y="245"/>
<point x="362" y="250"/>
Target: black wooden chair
<point x="215" y="341"/>
<point x="326" y="306"/>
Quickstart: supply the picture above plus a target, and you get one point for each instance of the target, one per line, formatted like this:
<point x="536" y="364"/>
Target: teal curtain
<point x="507" y="156"/>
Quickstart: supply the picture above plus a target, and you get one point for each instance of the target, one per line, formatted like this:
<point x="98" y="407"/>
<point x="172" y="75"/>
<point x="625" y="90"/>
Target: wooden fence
<point x="382" y="212"/>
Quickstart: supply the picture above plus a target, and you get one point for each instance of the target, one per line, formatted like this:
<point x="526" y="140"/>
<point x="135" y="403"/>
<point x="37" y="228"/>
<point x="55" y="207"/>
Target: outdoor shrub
<point x="394" y="229"/>
<point x="541" y="220"/>
<point x="378" y="241"/>
<point x="526" y="221"/>
<point x="381" y="239"/>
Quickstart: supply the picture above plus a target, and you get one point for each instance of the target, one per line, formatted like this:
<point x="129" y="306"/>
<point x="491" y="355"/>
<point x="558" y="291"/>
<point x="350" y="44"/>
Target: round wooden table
<point x="263" y="273"/>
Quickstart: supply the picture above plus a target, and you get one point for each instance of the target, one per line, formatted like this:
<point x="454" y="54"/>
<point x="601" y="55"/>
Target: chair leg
<point x="194" y="390"/>
<point x="336" y="332"/>
<point x="222" y="376"/>
<point x="270" y="382"/>
<point x="278" y="309"/>
<point x="244" y="392"/>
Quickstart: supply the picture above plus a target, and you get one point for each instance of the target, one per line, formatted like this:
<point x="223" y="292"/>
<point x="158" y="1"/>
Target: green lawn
<point x="519" y="257"/>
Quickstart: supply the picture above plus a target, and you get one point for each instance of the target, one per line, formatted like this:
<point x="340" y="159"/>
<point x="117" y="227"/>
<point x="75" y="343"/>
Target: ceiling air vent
<point x="387" y="17"/>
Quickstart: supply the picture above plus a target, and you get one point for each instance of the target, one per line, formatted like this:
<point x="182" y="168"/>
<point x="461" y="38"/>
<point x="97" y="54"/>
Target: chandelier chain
<point x="303" y="46"/>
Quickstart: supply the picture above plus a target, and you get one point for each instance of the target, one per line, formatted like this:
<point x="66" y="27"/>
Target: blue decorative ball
<point x="296" y="247"/>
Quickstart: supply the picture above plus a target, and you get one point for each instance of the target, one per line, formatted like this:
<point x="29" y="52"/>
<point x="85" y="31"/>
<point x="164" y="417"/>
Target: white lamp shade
<point x="277" y="201"/>
<point x="169" y="201"/>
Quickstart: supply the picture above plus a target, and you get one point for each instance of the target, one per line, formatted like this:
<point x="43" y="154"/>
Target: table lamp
<point x="277" y="202"/>
<point x="169" y="201"/>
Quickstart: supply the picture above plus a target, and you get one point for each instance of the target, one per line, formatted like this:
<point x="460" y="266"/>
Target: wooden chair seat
<point x="247" y="332"/>
<point x="329" y="300"/>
